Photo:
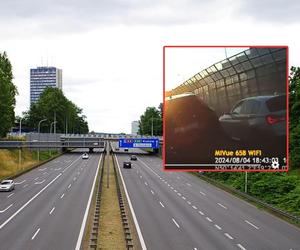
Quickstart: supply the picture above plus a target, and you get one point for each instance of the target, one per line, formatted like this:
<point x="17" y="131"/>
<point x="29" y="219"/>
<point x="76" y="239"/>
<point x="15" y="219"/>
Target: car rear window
<point x="5" y="182"/>
<point x="277" y="103"/>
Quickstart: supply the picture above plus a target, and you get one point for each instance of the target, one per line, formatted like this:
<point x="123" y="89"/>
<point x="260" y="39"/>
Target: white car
<point x="85" y="156"/>
<point x="7" y="185"/>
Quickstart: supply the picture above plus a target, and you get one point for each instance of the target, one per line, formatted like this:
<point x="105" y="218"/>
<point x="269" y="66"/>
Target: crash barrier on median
<point x="126" y="228"/>
<point x="96" y="217"/>
<point x="251" y="198"/>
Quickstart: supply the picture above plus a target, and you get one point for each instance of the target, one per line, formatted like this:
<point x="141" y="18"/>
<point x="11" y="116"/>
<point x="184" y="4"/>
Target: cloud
<point x="275" y="11"/>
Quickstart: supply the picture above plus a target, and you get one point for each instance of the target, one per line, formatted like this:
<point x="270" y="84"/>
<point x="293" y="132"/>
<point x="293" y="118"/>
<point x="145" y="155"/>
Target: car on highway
<point x="192" y="131"/>
<point x="258" y="121"/>
<point x="126" y="164"/>
<point x="126" y="149"/>
<point x="85" y="156"/>
<point x="7" y="185"/>
<point x="133" y="157"/>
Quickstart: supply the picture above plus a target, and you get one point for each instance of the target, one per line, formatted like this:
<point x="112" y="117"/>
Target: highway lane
<point x="49" y="215"/>
<point x="208" y="218"/>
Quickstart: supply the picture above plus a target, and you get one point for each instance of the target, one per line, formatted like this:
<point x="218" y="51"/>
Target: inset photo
<point x="225" y="108"/>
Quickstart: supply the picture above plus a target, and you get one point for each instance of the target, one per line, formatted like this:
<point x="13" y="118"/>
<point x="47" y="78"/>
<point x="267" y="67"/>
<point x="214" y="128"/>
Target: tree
<point x="151" y="121"/>
<point x="294" y="116"/>
<point x="8" y="91"/>
<point x="53" y="105"/>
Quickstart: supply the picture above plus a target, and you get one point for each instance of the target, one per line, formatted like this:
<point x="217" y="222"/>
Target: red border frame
<point x="287" y="105"/>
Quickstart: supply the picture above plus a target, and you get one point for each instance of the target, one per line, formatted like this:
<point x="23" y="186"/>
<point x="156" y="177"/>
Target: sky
<point x="111" y="51"/>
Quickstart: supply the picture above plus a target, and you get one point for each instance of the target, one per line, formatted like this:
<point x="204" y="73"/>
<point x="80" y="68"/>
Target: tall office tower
<point x="43" y="77"/>
<point x="134" y="127"/>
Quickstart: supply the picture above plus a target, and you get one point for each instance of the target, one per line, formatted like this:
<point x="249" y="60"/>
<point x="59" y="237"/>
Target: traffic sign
<point x="139" y="143"/>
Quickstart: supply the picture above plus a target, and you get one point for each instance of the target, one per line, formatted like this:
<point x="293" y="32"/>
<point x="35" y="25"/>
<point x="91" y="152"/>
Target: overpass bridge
<point x="60" y="141"/>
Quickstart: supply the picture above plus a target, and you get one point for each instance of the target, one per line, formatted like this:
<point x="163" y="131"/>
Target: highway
<point x="47" y="207"/>
<point x="180" y="211"/>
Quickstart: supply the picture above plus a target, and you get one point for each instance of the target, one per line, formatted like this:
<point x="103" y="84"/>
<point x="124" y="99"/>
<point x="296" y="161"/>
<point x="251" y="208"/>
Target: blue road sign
<point x="139" y="143"/>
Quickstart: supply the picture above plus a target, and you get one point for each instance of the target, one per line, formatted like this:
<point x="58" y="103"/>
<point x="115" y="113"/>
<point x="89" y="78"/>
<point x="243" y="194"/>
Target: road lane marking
<point x="71" y="164"/>
<point x="142" y="241"/>
<point x="2" y="211"/>
<point x="209" y="219"/>
<point x="40" y="182"/>
<point x="175" y="190"/>
<point x="169" y="185"/>
<point x="218" y="227"/>
<point x="183" y="198"/>
<point x="194" y="207"/>
<point x="188" y="202"/>
<point x="26" y="204"/>
<point x="17" y="183"/>
<point x="188" y="184"/>
<point x="42" y="169"/>
<point x="10" y="195"/>
<point x="161" y="204"/>
<point x="175" y="222"/>
<point x="25" y="185"/>
<point x="221" y="205"/>
<point x="140" y="176"/>
<point x="241" y="247"/>
<point x="69" y="185"/>
<point x="228" y="236"/>
<point x="52" y="210"/>
<point x="36" y="178"/>
<point x="152" y="192"/>
<point x="57" y="169"/>
<point x="179" y="194"/>
<point x="74" y="179"/>
<point x="37" y="231"/>
<point x="146" y="183"/>
<point x="202" y="193"/>
<point x="172" y="188"/>
<point x="62" y="196"/>
<point x="200" y="212"/>
<point x="251" y="224"/>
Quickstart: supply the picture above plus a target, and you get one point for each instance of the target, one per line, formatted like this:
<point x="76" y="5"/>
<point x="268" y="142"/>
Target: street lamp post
<point x="39" y="126"/>
<point x="52" y="123"/>
<point x="20" y="129"/>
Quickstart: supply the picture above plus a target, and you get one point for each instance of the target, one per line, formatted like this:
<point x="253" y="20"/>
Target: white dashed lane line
<point x="152" y="192"/>
<point x="251" y="224"/>
<point x="175" y="222"/>
<point x="146" y="183"/>
<point x="188" y="184"/>
<point x="228" y="236"/>
<point x="209" y="219"/>
<point x="241" y="247"/>
<point x="202" y="193"/>
<point x="188" y="202"/>
<point x="194" y="207"/>
<point x="62" y="196"/>
<point x="161" y="204"/>
<point x="200" y="212"/>
<point x="39" y="182"/>
<point x="218" y="227"/>
<point x="25" y="185"/>
<point x="10" y="195"/>
<point x="221" y="205"/>
<point x="69" y="185"/>
<point x="35" y="234"/>
<point x="52" y="210"/>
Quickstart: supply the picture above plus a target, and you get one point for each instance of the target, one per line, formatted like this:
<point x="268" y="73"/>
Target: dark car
<point x="126" y="164"/>
<point x="133" y="158"/>
<point x="258" y="121"/>
<point x="192" y="131"/>
<point x="126" y="149"/>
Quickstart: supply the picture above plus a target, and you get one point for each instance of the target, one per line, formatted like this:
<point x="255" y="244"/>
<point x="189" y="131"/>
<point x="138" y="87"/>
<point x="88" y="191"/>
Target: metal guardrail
<point x="126" y="228"/>
<point x="96" y="220"/>
<point x="251" y="198"/>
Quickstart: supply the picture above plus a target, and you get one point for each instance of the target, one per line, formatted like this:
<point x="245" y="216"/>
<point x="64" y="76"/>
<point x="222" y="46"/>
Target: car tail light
<point x="273" y="119"/>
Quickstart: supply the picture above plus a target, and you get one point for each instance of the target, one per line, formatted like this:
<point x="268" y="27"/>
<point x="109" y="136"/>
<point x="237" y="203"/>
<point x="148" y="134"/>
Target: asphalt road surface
<point x="47" y="207"/>
<point x="180" y="211"/>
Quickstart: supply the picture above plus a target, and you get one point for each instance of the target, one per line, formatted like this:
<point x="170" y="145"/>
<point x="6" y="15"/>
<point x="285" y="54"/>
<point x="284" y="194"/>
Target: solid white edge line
<point x="26" y="204"/>
<point x="138" y="229"/>
<point x="80" y="236"/>
<point x="37" y="231"/>
<point x="2" y="211"/>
